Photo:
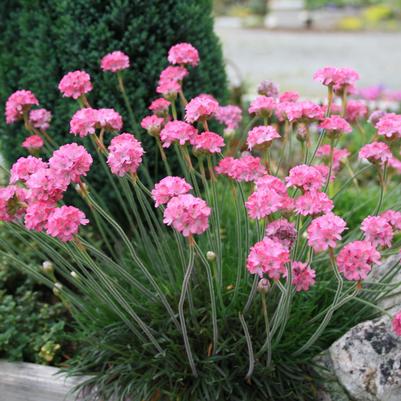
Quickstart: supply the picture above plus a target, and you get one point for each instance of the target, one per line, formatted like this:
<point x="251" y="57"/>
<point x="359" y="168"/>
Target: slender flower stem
<point x="250" y="347"/>
<point x="121" y="87"/>
<point x="267" y="328"/>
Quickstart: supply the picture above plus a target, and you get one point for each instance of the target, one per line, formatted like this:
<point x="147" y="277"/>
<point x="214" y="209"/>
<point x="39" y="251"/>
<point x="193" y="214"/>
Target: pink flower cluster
<point x="246" y="168"/>
<point x="396" y="323"/>
<point x="325" y="231"/>
<point x="33" y="142"/>
<point x="376" y="152"/>
<point x="18" y="103"/>
<point x="305" y="111"/>
<point x="152" y="124"/>
<point x="262" y="106"/>
<point x="115" y="61"/>
<point x="168" y="188"/>
<point x="75" y="84"/>
<point x="187" y="214"/>
<point x="306" y="178"/>
<point x="335" y="125"/>
<point x="303" y="276"/>
<point x="184" y="54"/>
<point x="268" y="257"/>
<point x="313" y="203"/>
<point x="356" y="110"/>
<point x="229" y="115"/>
<point x="282" y="231"/>
<point x="356" y="259"/>
<point x="170" y="80"/>
<point x="160" y="106"/>
<point x="201" y="108"/>
<point x="208" y="142"/>
<point x="125" y="154"/>
<point x="40" y="118"/>
<point x="177" y="131"/>
<point x="389" y="126"/>
<point x="261" y="136"/>
<point x="339" y="78"/>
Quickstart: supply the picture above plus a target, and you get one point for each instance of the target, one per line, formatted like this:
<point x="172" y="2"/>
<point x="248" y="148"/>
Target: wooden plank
<point x="31" y="382"/>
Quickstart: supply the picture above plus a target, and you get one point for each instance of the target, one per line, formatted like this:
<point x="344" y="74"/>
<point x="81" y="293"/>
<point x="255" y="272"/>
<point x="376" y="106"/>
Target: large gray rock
<point x="367" y="361"/>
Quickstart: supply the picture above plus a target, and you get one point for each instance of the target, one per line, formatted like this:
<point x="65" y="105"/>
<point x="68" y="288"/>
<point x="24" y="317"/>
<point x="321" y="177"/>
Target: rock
<point x="367" y="361"/>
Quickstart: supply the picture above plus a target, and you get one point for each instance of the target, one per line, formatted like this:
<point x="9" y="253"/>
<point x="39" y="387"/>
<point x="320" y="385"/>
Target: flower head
<point x="40" y="118"/>
<point x="389" y="126"/>
<point x="378" y="231"/>
<point x="303" y="276"/>
<point x="392" y="217"/>
<point x="307" y="178"/>
<point x="261" y="136"/>
<point x="376" y="152"/>
<point x="229" y="115"/>
<point x="37" y="215"/>
<point x="200" y="108"/>
<point x="160" y="107"/>
<point x="339" y="155"/>
<point x="115" y="61"/>
<point x="356" y="259"/>
<point x="187" y="214"/>
<point x="338" y="78"/>
<point x="18" y="103"/>
<point x="10" y="206"/>
<point x="33" y="142"/>
<point x="177" y="131"/>
<point x="125" y="154"/>
<point x="84" y="122"/>
<point x="268" y="257"/>
<point x="282" y="231"/>
<point x="396" y="323"/>
<point x="64" y="222"/>
<point x="262" y="106"/>
<point x="268" y="88"/>
<point x="313" y="203"/>
<point x="208" y="142"/>
<point x="264" y="202"/>
<point x="288" y="96"/>
<point x="271" y="182"/>
<point x="70" y="162"/>
<point x="24" y="167"/>
<point x="325" y="231"/>
<point x="246" y="168"/>
<point x="183" y="53"/>
<point x="335" y="125"/>
<point x="75" y="84"/>
<point x="169" y="187"/>
<point x="152" y="124"/>
<point x="356" y="110"/>
<point x="108" y="119"/>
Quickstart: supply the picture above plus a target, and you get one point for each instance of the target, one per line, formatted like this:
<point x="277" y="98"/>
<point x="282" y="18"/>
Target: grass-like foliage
<point x="201" y="297"/>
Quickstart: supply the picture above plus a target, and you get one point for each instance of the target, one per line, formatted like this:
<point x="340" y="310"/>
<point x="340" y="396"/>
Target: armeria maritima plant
<point x="229" y="278"/>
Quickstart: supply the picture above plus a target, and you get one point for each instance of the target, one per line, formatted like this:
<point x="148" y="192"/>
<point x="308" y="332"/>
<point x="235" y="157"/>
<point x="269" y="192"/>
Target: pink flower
<point x="262" y="106"/>
<point x="169" y="187"/>
<point x="10" y="206"/>
<point x="160" y="106"/>
<point x="376" y="152"/>
<point x="335" y="125"/>
<point x="37" y="215"/>
<point x="75" y="84"/>
<point x="371" y="92"/>
<point x="70" y="162"/>
<point x="355" y="260"/>
<point x="307" y="178"/>
<point x="356" y="110"/>
<point x="392" y="217"/>
<point x="268" y="257"/>
<point x="44" y="185"/>
<point x="83" y="122"/>
<point x="208" y="142"/>
<point x="183" y="53"/>
<point x="282" y="231"/>
<point x="187" y="214"/>
<point x="108" y="119"/>
<point x="115" y="61"/>
<point x="305" y="111"/>
<point x="152" y="124"/>
<point x="64" y="222"/>
<point x="40" y="118"/>
<point x="24" y="167"/>
<point x="271" y="182"/>
<point x="247" y="168"/>
<point x="289" y="96"/>
<point x="229" y="115"/>
<point x="395" y="164"/>
<point x="168" y="88"/>
<point x="339" y="155"/>
<point x="201" y="107"/>
<point x="396" y="323"/>
<point x="177" y="131"/>
<point x="311" y="111"/>
<point x="171" y="73"/>
<point x="303" y="276"/>
<point x="375" y="116"/>
<point x="33" y="142"/>
<point x="125" y="154"/>
<point x="389" y="126"/>
<point x="268" y="88"/>
<point x="313" y="203"/>
<point x="339" y="78"/>
<point x="377" y="231"/>
<point x="18" y="103"/>
<point x="324" y="231"/>
<point x="261" y="136"/>
<point x="264" y="202"/>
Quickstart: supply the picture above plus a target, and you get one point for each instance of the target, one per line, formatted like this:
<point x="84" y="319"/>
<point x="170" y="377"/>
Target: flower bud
<point x="57" y="288"/>
<point x="376" y="116"/>
<point x="74" y="275"/>
<point x="268" y="88"/>
<point x="47" y="267"/>
<point x="210" y="256"/>
<point x="229" y="133"/>
<point x="264" y="286"/>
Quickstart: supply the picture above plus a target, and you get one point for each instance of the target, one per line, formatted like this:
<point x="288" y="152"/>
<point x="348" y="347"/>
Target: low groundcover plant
<point x="224" y="282"/>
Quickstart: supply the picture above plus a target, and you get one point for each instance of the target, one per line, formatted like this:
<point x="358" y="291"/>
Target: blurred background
<point x="287" y="40"/>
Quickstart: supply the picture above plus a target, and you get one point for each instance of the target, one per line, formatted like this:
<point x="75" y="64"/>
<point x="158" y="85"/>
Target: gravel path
<point x="290" y="58"/>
